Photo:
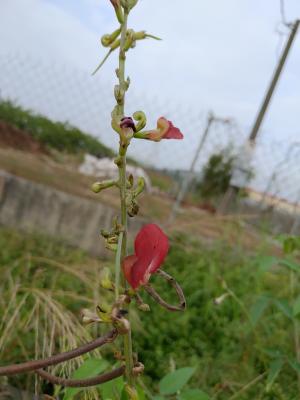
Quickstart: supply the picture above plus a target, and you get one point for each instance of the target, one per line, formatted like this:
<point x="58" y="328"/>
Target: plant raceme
<point x="151" y="243"/>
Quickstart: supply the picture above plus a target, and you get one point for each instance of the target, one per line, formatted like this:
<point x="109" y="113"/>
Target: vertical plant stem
<point x="295" y="324"/>
<point x="118" y="265"/>
<point x="122" y="185"/>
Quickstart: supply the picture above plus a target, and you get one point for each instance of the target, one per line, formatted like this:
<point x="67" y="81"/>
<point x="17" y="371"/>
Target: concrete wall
<point x="32" y="207"/>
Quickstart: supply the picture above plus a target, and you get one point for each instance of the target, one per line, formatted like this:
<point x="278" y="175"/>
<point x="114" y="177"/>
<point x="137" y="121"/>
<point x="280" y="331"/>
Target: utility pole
<point x="188" y="178"/>
<point x="241" y="170"/>
<point x="274" y="80"/>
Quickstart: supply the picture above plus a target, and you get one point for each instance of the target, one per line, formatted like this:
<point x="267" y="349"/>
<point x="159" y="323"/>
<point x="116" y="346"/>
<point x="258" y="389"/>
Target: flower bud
<point x="130" y="181"/>
<point x="122" y="325"/>
<point x="129" y="4"/>
<point x="111" y="246"/>
<point x="129" y="39"/>
<point x="104" y="313"/>
<point x="138" y="368"/>
<point x="115" y="3"/>
<point x="98" y="186"/>
<point x="118" y="10"/>
<point x="127" y="122"/>
<point x="115" y="45"/>
<point x="133" y="208"/>
<point x="105" y="281"/>
<point x="140" y="186"/>
<point x="144" y="307"/>
<point x="119" y="94"/>
<point x="141" y="119"/>
<point x="140" y="35"/>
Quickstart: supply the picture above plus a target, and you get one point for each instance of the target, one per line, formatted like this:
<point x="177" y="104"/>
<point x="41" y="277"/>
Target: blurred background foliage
<point x="229" y="340"/>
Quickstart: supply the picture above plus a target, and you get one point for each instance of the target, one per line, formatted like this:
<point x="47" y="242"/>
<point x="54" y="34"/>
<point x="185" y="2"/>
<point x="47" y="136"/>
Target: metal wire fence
<point x="84" y="101"/>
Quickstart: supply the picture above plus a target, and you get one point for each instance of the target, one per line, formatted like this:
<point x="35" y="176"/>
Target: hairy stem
<point x="118" y="265"/>
<point x="94" y="381"/>
<point x="58" y="358"/>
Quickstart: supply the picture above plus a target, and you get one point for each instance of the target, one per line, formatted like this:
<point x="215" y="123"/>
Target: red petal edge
<point x="172" y="132"/>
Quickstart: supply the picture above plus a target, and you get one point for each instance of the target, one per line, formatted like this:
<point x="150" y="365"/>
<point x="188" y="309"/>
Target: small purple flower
<point x="127" y="122"/>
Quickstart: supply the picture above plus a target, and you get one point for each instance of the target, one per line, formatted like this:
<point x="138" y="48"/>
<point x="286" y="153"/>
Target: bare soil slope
<point x="13" y="137"/>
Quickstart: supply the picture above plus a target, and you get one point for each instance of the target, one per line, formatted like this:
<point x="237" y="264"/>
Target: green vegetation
<point x="216" y="175"/>
<point x="241" y="325"/>
<point x="56" y="135"/>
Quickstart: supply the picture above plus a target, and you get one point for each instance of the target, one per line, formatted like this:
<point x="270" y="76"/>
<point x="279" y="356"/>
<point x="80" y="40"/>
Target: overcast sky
<point x="215" y="54"/>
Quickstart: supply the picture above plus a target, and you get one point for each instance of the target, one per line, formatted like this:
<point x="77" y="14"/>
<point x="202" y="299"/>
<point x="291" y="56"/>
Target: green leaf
<point x="295" y="365"/>
<point x="296" y="307"/>
<point x="194" y="394"/>
<point x="112" y="389"/>
<point x="289" y="264"/>
<point x="265" y="263"/>
<point x="141" y="393"/>
<point x="272" y="353"/>
<point x="275" y="368"/>
<point x="258" y="309"/>
<point x="158" y="398"/>
<point x="284" y="307"/>
<point x="90" y="367"/>
<point x="175" y="381"/>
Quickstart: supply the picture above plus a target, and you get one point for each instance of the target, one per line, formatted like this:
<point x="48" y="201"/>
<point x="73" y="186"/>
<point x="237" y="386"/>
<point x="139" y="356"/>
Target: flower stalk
<point x="121" y="163"/>
<point x="132" y="272"/>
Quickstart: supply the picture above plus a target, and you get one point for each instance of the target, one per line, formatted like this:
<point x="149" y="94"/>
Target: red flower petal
<point x="168" y="130"/>
<point x="127" y="267"/>
<point x="165" y="130"/>
<point x="151" y="247"/>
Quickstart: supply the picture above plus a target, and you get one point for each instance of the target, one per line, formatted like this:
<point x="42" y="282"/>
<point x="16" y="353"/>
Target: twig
<point x="58" y="358"/>
<point x="96" y="380"/>
<point x="152" y="292"/>
<point x="247" y="386"/>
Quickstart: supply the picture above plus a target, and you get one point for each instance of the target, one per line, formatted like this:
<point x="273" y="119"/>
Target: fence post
<point x="232" y="191"/>
<point x="189" y="176"/>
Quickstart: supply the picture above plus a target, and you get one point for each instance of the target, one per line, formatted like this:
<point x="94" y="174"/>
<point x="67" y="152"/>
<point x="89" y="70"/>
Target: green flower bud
<point x="118" y="10"/>
<point x="112" y="247"/>
<point x="108" y="39"/>
<point x="119" y="94"/>
<point x="140" y="186"/>
<point x="98" y="186"/>
<point x="141" y="119"/>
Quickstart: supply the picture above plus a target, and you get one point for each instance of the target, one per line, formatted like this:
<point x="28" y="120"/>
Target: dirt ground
<point x="14" y="138"/>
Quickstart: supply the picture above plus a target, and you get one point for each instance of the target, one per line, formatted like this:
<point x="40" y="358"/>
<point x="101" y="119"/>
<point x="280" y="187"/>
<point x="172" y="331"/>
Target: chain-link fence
<point x="63" y="94"/>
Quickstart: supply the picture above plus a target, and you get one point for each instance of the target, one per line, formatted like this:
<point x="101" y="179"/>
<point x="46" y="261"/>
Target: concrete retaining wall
<point x="32" y="207"/>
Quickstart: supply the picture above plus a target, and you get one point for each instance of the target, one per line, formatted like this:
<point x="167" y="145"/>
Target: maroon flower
<point x="165" y="130"/>
<point x="127" y="122"/>
<point x="151" y="247"/>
